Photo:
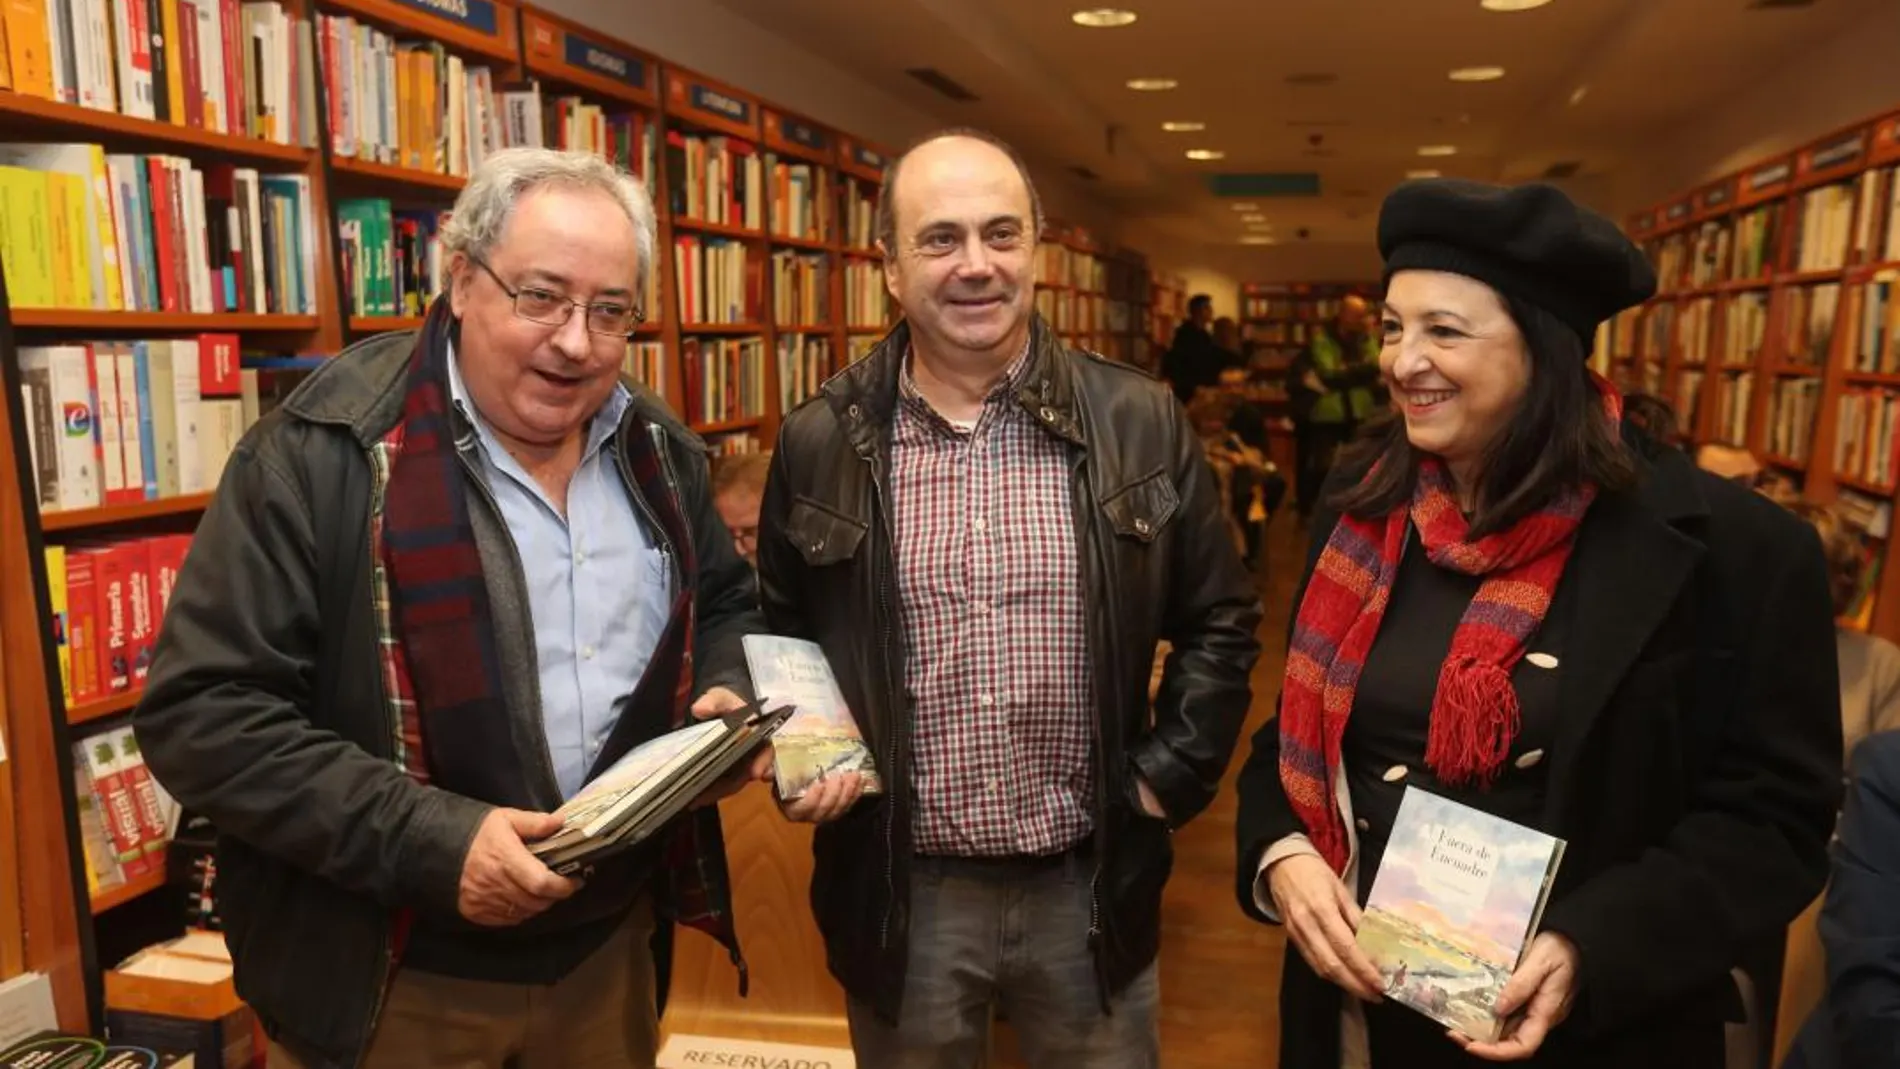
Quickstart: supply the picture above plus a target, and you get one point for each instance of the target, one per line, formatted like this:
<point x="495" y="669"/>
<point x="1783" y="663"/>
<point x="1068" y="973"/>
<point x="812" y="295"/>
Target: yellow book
<point x="81" y="259"/>
<point x="61" y="248"/>
<point x="28" y="250"/>
<point x="174" y="64"/>
<point x="105" y="232"/>
<point x="29" y="47"/>
<point x="56" y="589"/>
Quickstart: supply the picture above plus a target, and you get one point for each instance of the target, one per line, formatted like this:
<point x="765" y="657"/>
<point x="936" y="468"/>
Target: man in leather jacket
<point x="988" y="533"/>
<point x="457" y="574"/>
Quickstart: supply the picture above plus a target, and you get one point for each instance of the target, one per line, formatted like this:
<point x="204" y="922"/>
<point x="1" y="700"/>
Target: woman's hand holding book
<point x="1322" y="918"/>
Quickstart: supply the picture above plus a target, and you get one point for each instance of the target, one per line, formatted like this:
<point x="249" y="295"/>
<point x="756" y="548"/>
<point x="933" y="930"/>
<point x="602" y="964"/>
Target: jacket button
<point x="854" y="411"/>
<point x="1141" y="527"/>
<point x="818" y="545"/>
<point x="1363" y="824"/>
<point x="1541" y="660"/>
<point x="1395" y="773"/>
<point x="1529" y="758"/>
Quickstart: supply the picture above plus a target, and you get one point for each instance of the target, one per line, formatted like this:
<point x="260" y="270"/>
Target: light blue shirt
<point x="598" y="589"/>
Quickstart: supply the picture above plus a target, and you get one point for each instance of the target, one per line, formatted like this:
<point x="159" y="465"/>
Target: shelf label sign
<point x="1643" y="222"/>
<point x="865" y="157"/>
<point x="477" y="15"/>
<point x="1717" y="196"/>
<point x="1841" y="150"/>
<point x="1772" y="174"/>
<point x="805" y="134"/>
<point x="606" y="62"/>
<point x="711" y="100"/>
<point x="1677" y="212"/>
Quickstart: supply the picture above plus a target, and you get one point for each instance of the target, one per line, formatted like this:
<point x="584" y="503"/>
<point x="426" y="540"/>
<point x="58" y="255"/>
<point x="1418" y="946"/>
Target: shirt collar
<point x="598" y="429"/>
<point x="1012" y="376"/>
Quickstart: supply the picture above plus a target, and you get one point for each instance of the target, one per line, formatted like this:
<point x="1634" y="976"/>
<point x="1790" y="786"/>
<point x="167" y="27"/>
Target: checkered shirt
<point x="997" y="658"/>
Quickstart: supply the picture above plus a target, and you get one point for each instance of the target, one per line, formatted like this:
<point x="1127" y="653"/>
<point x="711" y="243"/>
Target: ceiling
<point x="1345" y="90"/>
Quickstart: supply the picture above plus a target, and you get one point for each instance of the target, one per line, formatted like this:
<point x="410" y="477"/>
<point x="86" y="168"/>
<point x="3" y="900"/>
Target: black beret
<point x="1529" y="241"/>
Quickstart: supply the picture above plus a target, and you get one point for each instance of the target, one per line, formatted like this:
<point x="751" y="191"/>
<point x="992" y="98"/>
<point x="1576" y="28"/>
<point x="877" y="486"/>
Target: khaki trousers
<point x="601" y="1014"/>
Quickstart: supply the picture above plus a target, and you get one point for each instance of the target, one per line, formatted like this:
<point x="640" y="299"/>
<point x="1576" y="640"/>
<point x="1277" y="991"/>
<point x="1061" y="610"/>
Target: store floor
<point x="1220" y="971"/>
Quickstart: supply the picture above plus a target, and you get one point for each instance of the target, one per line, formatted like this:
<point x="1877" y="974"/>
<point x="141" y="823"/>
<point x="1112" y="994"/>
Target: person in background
<point x="1869" y="664"/>
<point x="1656" y="418"/>
<point x="738" y="486"/>
<point x="1518" y="602"/>
<point x="1330" y="387"/>
<point x="454" y="575"/>
<point x="988" y="533"/>
<point x="1857" y="1023"/>
<point x="1193" y="360"/>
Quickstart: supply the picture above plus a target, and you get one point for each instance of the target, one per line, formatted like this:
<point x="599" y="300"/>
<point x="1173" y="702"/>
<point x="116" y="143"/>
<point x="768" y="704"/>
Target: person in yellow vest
<point x="1330" y="387"/>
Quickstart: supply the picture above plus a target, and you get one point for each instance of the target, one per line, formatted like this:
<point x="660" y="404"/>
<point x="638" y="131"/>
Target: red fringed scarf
<point x="1474" y="715"/>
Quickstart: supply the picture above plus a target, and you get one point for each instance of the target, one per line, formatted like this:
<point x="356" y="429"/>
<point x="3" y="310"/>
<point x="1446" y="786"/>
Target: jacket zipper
<point x="673" y="567"/>
<point x="514" y="556"/>
<point x="887" y="643"/>
<point x="1088" y="541"/>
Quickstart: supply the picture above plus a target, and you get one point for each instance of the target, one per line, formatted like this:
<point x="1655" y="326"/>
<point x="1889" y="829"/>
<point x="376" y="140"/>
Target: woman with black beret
<point x="1517" y="600"/>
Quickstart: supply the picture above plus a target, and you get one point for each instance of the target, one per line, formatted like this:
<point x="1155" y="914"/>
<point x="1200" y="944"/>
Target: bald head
<point x="944" y="157"/>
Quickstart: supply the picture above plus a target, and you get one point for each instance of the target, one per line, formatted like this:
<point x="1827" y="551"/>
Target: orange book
<point x="29" y="57"/>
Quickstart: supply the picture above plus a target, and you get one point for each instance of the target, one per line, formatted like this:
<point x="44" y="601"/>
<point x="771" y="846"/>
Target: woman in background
<point x="1513" y="603"/>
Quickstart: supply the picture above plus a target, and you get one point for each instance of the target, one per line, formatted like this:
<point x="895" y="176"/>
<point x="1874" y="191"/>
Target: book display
<point x="1775" y="328"/>
<point x="1453" y="907"/>
<point x="190" y="227"/>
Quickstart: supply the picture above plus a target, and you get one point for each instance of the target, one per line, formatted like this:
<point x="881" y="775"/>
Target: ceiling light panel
<point x="1511" y="5"/>
<point x="1438" y="150"/>
<point x="1477" y="74"/>
<point x="1427" y="173"/>
<point x="1102" y="17"/>
<point x="1151" y="85"/>
<point x="1206" y="154"/>
<point x="1184" y="127"/>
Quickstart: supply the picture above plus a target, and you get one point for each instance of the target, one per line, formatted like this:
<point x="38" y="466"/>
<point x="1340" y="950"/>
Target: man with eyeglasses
<point x="455" y="575"/>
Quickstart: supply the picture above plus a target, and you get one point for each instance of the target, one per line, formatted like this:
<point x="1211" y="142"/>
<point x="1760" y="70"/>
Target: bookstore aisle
<point x="201" y="201"/>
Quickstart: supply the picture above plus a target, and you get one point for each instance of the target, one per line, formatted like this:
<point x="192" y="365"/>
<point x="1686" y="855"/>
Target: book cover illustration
<point x="820" y="738"/>
<point x="645" y="767"/>
<point x="1457" y="898"/>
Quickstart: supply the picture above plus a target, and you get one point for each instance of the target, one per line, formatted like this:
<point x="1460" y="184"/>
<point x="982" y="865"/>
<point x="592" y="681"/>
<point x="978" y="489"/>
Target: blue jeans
<point x="1013" y="934"/>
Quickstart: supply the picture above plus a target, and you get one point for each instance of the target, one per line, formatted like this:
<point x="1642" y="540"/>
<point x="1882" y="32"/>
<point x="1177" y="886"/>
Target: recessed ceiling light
<point x="1103" y="17"/>
<point x="1576" y="95"/>
<point x="1511" y="5"/>
<point x="1255" y="239"/>
<point x="1253" y="218"/>
<point x="1149" y="85"/>
<point x="1246" y="207"/>
<point x="1183" y="127"/>
<point x="1477" y="74"/>
<point x="1422" y="174"/>
<point x="1438" y="150"/>
<point x="1206" y="154"/>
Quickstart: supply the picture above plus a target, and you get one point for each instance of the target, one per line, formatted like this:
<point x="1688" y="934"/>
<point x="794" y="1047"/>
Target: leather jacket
<point x="1157" y="562"/>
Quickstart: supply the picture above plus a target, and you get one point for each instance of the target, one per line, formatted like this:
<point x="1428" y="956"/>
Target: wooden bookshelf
<point x="137" y="887"/>
<point x="1756" y="333"/>
<point x="517" y="44"/>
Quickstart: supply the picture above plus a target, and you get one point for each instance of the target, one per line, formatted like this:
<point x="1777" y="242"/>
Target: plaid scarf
<point x="1474" y="714"/>
<point x="438" y="649"/>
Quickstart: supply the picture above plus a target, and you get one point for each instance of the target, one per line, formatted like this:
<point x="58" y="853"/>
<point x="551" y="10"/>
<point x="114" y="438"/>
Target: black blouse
<point x="1384" y="750"/>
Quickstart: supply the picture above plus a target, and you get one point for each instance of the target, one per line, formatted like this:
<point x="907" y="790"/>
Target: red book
<point x="142" y="601"/>
<point x="82" y="622"/>
<point x="116" y="805"/>
<point x="115" y="620"/>
<point x="168" y="556"/>
<point x="219" y="374"/>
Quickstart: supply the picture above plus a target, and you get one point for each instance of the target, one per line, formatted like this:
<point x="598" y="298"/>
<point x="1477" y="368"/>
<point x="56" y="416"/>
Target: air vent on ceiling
<point x="942" y="83"/>
<point x="1760" y="5"/>
<point x="1565" y="169"/>
<point x="1312" y="78"/>
<point x="1083" y="173"/>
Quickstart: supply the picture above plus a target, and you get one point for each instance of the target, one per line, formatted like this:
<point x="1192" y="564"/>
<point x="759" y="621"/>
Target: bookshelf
<point x="1774" y="327"/>
<point x="351" y="136"/>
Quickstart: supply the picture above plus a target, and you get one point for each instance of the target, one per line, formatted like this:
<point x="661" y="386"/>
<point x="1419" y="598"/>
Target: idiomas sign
<point x="477" y="15"/>
<point x="708" y="99"/>
<point x="606" y="62"/>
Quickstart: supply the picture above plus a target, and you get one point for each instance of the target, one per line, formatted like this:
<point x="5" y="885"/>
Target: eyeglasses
<point x="550" y="309"/>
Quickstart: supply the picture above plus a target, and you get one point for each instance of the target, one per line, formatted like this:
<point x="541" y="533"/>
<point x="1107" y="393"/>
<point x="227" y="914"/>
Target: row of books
<point x="217" y="65"/>
<point x="1071" y="311"/>
<point x="867" y="302"/>
<point x="392" y="261"/>
<point x="1060" y="265"/>
<point x="715" y="179"/>
<point x="119" y="422"/>
<point x="1792" y="407"/>
<point x="801" y="288"/>
<point x="126" y="818"/>
<point x="1874" y="313"/>
<point x="804" y="362"/>
<point x="413" y="105"/>
<point x="1864" y="440"/>
<point x="1826" y="228"/>
<point x="725" y="379"/>
<point x="803" y="199"/>
<point x="719" y="280"/>
<point x="1807" y="323"/>
<point x="83" y="229"/>
<point x="108" y="600"/>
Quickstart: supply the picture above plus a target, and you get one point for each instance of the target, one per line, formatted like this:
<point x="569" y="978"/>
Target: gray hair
<point x="483" y="208"/>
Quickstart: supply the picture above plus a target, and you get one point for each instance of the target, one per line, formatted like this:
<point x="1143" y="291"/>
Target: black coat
<point x="1695" y="771"/>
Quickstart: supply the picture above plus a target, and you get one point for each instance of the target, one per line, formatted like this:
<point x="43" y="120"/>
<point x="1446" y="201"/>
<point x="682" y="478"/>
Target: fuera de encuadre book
<point x="1454" y="905"/>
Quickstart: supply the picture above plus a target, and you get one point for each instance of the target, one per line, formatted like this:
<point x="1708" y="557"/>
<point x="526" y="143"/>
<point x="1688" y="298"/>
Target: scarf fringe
<point x="1474" y="721"/>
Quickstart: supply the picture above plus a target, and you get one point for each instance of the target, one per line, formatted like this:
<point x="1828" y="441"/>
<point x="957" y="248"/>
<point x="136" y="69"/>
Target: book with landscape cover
<point x="1457" y="898"/>
<point x="638" y="794"/>
<point x="820" y="739"/>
